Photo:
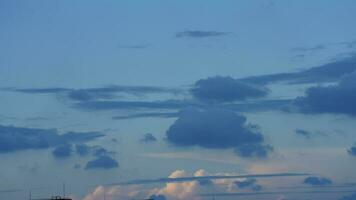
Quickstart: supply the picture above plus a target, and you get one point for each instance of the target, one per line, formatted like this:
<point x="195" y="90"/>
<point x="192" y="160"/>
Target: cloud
<point x="133" y="105"/>
<point x="97" y="151"/>
<point x="179" y="185"/>
<point x="310" y="49"/>
<point x="63" y="151"/>
<point x="199" y="34"/>
<point x="148" y="137"/>
<point x="303" y="133"/>
<point x="352" y="151"/>
<point x="350" y="197"/>
<point x="248" y="184"/>
<point x="82" y="149"/>
<point x="203" y="178"/>
<point x="100" y="93"/>
<point x="336" y="99"/>
<point x="317" y="181"/>
<point x="253" y="150"/>
<point x="148" y="115"/>
<point x="18" y="138"/>
<point x="225" y="89"/>
<point x="102" y="162"/>
<point x="328" y="72"/>
<point x="158" y="197"/>
<point x="208" y="129"/>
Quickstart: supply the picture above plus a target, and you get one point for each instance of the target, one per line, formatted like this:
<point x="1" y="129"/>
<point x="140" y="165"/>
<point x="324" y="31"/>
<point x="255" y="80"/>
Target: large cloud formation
<point x="217" y="129"/>
<point x="225" y="89"/>
<point x="18" y="138"/>
<point x="337" y="99"/>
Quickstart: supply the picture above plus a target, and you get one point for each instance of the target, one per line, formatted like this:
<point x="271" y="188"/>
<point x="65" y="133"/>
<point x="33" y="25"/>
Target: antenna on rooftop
<point x="64" y="189"/>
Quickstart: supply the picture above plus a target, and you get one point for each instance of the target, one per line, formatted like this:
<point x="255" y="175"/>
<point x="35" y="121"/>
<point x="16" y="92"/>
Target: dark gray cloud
<point x="100" y="93"/>
<point x="352" y="150"/>
<point x="329" y="72"/>
<point x="201" y="178"/>
<point x="215" y="129"/>
<point x="225" y="89"/>
<point x="349" y="197"/>
<point x="253" y="150"/>
<point x="158" y="197"/>
<point x="248" y="184"/>
<point x="310" y="49"/>
<point x="83" y="149"/>
<point x="63" y="151"/>
<point x="303" y="133"/>
<point x="97" y="151"/>
<point x="199" y="34"/>
<point x="337" y="99"/>
<point x="148" y="137"/>
<point x="148" y="115"/>
<point x="317" y="181"/>
<point x="102" y="162"/>
<point x="134" y="105"/>
<point x="18" y="138"/>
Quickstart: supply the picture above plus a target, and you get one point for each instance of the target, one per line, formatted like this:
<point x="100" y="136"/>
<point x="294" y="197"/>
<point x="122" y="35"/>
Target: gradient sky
<point x="100" y="94"/>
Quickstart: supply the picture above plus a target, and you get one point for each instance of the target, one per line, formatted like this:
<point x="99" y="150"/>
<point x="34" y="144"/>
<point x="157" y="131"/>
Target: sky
<point x="175" y="100"/>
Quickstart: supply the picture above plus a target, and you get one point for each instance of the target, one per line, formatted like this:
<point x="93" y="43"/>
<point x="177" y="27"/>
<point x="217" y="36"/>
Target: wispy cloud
<point x="199" y="34"/>
<point x="200" y="178"/>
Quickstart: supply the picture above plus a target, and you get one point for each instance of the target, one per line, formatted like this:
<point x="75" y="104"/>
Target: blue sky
<point x="95" y="93"/>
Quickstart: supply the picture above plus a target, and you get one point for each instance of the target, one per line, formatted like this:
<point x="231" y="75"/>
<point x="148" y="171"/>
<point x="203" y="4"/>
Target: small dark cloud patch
<point x="158" y="197"/>
<point x="63" y="151"/>
<point x="317" y="181"/>
<point x="248" y="184"/>
<point x="225" y="89"/>
<point x="148" y="115"/>
<point x="253" y="150"/>
<point x="217" y="129"/>
<point x="335" y="99"/>
<point x="310" y="49"/>
<point x="77" y="166"/>
<point x="97" y="151"/>
<point x="18" y="138"/>
<point x="82" y="149"/>
<point x="199" y="34"/>
<point x="303" y="133"/>
<point x="349" y="197"/>
<point x="206" y="182"/>
<point x="101" y="151"/>
<point x="102" y="162"/>
<point x="352" y="151"/>
<point x="148" y="137"/>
